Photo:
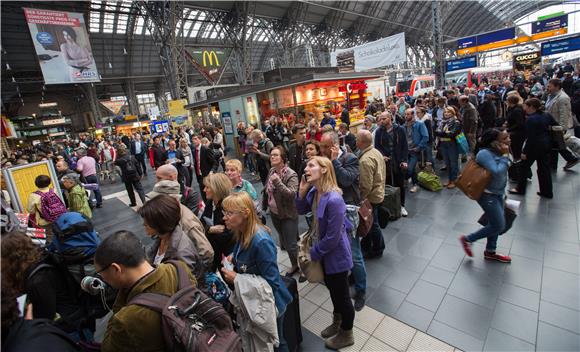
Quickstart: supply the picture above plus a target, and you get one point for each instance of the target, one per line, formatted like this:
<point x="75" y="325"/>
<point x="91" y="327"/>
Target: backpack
<point x="191" y="321"/>
<point x="71" y="253"/>
<point x="51" y="206"/>
<point x="131" y="169"/>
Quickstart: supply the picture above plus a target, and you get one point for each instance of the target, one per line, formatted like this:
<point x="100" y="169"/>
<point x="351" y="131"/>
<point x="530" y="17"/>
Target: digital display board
<point x="460" y="64"/>
<point x="550" y="24"/>
<point x="482" y="39"/>
<point x="497" y="36"/>
<point x="466" y="42"/>
<point x="561" y="46"/>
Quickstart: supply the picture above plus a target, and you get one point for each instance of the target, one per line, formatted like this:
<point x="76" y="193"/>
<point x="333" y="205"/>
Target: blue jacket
<point x="333" y="246"/>
<point x="420" y="135"/>
<point x="498" y="166"/>
<point x="260" y="259"/>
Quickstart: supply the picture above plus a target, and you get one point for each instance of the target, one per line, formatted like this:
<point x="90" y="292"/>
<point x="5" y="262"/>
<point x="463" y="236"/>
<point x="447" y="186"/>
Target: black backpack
<point x="131" y="172"/>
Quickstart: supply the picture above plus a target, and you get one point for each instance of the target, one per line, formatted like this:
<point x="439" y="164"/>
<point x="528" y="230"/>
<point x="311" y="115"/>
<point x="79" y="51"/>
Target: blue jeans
<point x="98" y="195"/>
<point x="451" y="157"/>
<point x="411" y="169"/>
<point x="492" y="205"/>
<point x="358" y="266"/>
<point x="283" y="346"/>
<point x="429" y="154"/>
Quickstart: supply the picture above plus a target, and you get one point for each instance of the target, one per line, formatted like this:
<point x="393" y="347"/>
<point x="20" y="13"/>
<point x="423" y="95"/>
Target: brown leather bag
<point x="365" y="214"/>
<point x="473" y="180"/>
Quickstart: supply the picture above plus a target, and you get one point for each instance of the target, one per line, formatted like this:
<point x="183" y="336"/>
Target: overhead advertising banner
<point x="380" y="53"/>
<point x="177" y="108"/>
<point x="210" y="62"/>
<point x="461" y="64"/>
<point x="550" y="24"/>
<point x="62" y="46"/>
<point x="561" y="46"/>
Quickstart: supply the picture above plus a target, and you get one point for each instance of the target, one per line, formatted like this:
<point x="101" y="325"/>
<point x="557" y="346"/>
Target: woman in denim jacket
<point x="254" y="253"/>
<point x="493" y="155"/>
<point x="319" y="192"/>
<point x="450" y="128"/>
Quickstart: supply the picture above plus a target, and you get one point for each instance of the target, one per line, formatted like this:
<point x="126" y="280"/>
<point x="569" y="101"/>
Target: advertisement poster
<point x="177" y="107"/>
<point x="227" y="122"/>
<point x="62" y="46"/>
<point x="380" y="53"/>
<point x="210" y="62"/>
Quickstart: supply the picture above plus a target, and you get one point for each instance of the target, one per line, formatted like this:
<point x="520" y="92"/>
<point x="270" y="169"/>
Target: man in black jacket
<point x="139" y="150"/>
<point x="131" y="175"/>
<point x="158" y="153"/>
<point x="203" y="162"/>
<point x="391" y="141"/>
<point x="347" y="138"/>
<point x="296" y="150"/>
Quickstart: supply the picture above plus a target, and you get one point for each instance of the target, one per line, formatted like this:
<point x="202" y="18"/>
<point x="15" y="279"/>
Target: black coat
<point x="122" y="163"/>
<point x="159" y="156"/>
<point x="207" y="161"/>
<point x="296" y="157"/>
<point x="143" y="148"/>
<point x="516" y="120"/>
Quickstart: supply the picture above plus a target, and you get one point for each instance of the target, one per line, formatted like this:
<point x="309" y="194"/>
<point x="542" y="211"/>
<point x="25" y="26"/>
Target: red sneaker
<point x="496" y="256"/>
<point x="466" y="245"/>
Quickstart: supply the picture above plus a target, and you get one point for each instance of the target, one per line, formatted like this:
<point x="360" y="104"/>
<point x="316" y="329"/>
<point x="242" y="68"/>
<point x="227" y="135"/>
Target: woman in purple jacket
<point x="320" y="194"/>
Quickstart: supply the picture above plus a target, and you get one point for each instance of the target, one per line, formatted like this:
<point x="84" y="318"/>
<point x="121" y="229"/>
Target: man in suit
<point x="139" y="150"/>
<point x="558" y="105"/>
<point x="203" y="162"/>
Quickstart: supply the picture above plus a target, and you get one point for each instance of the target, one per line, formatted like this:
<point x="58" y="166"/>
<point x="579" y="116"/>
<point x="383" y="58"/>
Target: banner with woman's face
<point x="62" y="46"/>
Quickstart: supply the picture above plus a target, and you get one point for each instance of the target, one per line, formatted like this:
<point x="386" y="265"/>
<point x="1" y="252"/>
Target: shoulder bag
<point x="473" y="180"/>
<point x="312" y="270"/>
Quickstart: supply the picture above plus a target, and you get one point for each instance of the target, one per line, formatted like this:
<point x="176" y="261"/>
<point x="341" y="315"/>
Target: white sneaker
<point x="414" y="189"/>
<point x="404" y="212"/>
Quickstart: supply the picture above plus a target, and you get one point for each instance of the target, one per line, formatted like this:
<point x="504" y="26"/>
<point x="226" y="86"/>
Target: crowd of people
<point x="316" y="168"/>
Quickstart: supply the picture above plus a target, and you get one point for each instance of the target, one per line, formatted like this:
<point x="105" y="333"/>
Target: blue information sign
<point x="550" y="24"/>
<point x="561" y="46"/>
<point x="460" y="64"/>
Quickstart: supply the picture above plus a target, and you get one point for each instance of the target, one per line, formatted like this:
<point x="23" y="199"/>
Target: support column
<point x="129" y="89"/>
<point x="160" y="95"/>
<point x="93" y="103"/>
<point x="438" y="50"/>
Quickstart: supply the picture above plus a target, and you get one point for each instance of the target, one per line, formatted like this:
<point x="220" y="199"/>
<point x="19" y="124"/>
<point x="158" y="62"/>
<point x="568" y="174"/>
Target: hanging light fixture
<point x="124" y="51"/>
<point x="8" y="67"/>
<point x="110" y="65"/>
<point x="13" y="79"/>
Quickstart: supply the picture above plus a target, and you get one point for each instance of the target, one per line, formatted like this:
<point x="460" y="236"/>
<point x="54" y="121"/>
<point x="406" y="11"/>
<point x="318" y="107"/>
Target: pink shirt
<point x="87" y="166"/>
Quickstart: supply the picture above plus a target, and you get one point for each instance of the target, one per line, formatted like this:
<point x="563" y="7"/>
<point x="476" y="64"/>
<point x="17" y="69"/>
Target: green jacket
<point x="136" y="328"/>
<point x="78" y="201"/>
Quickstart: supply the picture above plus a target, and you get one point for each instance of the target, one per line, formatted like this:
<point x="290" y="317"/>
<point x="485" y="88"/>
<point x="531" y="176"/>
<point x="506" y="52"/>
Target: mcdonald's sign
<point x="210" y="62"/>
<point x="210" y="57"/>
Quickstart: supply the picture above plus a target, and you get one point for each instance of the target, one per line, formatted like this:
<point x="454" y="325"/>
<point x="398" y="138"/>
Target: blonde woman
<point x="450" y="128"/>
<point x="254" y="253"/>
<point x="234" y="170"/>
<point x="217" y="187"/>
<point x="319" y="193"/>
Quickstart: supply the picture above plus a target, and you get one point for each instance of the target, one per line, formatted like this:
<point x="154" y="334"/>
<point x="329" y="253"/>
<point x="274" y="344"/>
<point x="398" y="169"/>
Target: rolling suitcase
<point x="392" y="201"/>
<point x="292" y="322"/>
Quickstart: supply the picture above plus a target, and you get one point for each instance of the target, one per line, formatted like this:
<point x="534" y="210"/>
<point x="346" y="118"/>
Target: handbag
<point x="312" y="270"/>
<point x="473" y="180"/>
<point x="365" y="213"/>
<point x="509" y="216"/>
<point x="518" y="170"/>
<point x="462" y="144"/>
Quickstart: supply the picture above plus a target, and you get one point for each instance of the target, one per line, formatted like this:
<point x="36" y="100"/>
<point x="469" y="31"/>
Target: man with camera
<point x="122" y="263"/>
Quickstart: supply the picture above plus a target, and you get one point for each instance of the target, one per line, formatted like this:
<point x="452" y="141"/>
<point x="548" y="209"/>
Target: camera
<point x="93" y="285"/>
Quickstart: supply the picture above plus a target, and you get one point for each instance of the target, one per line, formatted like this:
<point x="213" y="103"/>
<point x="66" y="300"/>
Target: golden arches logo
<point x="210" y="56"/>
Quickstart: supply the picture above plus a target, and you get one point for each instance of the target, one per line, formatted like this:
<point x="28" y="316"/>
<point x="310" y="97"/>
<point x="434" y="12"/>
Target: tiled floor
<point x="424" y="284"/>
